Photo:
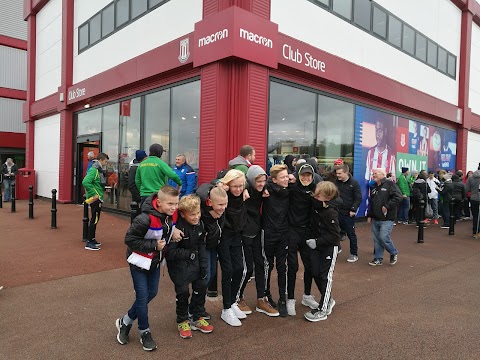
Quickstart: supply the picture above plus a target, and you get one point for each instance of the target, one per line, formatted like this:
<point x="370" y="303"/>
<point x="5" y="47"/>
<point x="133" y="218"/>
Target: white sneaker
<point x="291" y="307"/>
<point x="309" y="300"/>
<point x="229" y="317"/>
<point x="238" y="313"/>
<point x="352" y="258"/>
<point x="330" y="306"/>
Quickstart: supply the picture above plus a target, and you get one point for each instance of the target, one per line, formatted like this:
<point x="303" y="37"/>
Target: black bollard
<point x="1" y="198"/>
<point x="133" y="211"/>
<point x="451" y="229"/>
<point x="54" y="209"/>
<point x="421" y="225"/>
<point x="30" y="202"/>
<point x="85" y="219"/>
<point x="212" y="290"/>
<point x="12" y="195"/>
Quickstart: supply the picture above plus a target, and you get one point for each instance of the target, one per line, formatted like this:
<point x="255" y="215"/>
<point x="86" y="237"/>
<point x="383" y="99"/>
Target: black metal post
<point x="133" y="211"/>
<point x="1" y="198"/>
<point x="12" y="195"/>
<point x="30" y="201"/>
<point x="421" y="225"/>
<point x="451" y="229"/>
<point x="54" y="209"/>
<point x="212" y="290"/>
<point x="85" y="219"/>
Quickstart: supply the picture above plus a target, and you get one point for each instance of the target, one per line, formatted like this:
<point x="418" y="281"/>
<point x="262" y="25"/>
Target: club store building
<point x="204" y="77"/>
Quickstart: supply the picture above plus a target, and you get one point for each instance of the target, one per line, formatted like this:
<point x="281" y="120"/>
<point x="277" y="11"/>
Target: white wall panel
<point x="11" y="116"/>
<point x="319" y="28"/>
<point x="47" y="155"/>
<point x="160" y="26"/>
<point x="11" y="19"/>
<point x="48" y="49"/>
<point x="13" y="68"/>
<point x="474" y="99"/>
<point x="473" y="149"/>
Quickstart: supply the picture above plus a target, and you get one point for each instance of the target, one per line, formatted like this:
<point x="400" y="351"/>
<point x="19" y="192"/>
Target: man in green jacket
<point x="404" y="185"/>
<point x="94" y="184"/>
<point x="153" y="173"/>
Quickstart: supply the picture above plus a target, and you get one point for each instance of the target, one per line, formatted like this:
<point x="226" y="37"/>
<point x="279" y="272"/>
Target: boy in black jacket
<point x="145" y="240"/>
<point x="252" y="242"/>
<point x="275" y="225"/>
<point x="187" y="264"/>
<point x="324" y="247"/>
<point x="299" y="214"/>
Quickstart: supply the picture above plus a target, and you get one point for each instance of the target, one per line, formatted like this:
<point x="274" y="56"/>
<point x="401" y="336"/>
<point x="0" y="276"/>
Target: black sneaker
<point x="393" y="259"/>
<point x="96" y="243"/>
<point x="273" y="303"/>
<point x="375" y="262"/>
<point x="123" y="331"/>
<point x="147" y="341"/>
<point x="282" y="308"/>
<point x="90" y="245"/>
<point x="205" y="315"/>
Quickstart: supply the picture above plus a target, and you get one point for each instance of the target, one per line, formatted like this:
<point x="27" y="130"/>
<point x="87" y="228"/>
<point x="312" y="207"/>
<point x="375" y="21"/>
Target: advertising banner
<point x="387" y="141"/>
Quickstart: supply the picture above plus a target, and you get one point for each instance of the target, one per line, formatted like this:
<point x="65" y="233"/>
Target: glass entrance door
<point x="85" y="144"/>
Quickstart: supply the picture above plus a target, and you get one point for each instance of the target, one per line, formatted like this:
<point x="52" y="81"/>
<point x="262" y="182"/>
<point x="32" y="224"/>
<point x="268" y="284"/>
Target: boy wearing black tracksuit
<point x="324" y="245"/>
<point x="187" y="264"/>
<point x="299" y="221"/>
<point x="253" y="243"/>
<point x="275" y="225"/>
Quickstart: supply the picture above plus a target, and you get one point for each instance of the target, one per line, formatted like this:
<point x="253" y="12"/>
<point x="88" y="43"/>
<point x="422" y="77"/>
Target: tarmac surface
<point x="60" y="301"/>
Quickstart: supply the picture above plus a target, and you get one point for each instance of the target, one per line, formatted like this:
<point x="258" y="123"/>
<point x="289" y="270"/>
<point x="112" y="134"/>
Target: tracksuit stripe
<point x="328" y="289"/>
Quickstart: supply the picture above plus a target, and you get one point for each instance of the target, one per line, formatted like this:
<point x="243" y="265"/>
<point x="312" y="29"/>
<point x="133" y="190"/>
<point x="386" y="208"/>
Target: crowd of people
<point x="251" y="223"/>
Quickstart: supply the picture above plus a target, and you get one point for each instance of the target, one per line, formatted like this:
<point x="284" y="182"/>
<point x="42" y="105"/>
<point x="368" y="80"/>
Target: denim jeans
<point x="403" y="209"/>
<point x="7" y="185"/>
<point x="211" y="264"/>
<point x="381" y="236"/>
<point x="145" y="284"/>
<point x="475" y="205"/>
<point x="434" y="204"/>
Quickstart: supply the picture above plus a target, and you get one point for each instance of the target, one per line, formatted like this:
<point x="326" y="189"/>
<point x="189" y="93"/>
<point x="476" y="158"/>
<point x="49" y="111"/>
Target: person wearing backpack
<point x="446" y="191"/>
<point x="420" y="190"/>
<point x="458" y="196"/>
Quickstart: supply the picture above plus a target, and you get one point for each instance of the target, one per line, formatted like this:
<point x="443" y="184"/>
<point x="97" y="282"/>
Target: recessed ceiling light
<point x="283" y="119"/>
<point x="183" y="118"/>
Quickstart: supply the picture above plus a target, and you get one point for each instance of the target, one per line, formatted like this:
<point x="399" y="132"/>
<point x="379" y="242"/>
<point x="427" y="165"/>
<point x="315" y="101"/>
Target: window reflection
<point x="126" y="127"/>
<point x="185" y="129"/>
<point x="291" y="122"/>
<point x="298" y="127"/>
<point x="157" y="120"/>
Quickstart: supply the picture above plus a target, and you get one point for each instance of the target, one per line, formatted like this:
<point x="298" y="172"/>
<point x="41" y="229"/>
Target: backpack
<point x="417" y="194"/>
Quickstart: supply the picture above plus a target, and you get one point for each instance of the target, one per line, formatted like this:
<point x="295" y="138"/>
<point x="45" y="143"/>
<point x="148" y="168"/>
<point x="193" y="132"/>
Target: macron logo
<point x="250" y="36"/>
<point x="222" y="34"/>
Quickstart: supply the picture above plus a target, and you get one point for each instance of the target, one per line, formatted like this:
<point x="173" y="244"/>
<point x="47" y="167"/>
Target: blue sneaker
<point x="90" y="245"/>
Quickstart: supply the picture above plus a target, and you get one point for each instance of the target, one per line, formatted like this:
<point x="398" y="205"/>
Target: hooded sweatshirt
<point x="239" y="163"/>
<point x="288" y="161"/>
<point x="473" y="186"/>
<point x="95" y="181"/>
<point x="254" y="203"/>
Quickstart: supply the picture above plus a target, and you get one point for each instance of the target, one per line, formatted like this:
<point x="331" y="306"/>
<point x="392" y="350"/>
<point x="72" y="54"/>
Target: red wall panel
<point x="12" y="140"/>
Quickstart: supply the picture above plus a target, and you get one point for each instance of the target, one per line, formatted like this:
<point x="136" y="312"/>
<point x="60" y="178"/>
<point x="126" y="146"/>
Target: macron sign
<point x="235" y="32"/>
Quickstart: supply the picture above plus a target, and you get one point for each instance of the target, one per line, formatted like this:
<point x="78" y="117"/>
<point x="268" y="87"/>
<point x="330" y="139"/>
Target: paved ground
<point x="60" y="301"/>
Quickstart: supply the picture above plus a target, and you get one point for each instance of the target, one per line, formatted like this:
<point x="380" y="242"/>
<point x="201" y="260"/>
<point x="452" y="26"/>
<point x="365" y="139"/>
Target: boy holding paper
<point x="149" y="233"/>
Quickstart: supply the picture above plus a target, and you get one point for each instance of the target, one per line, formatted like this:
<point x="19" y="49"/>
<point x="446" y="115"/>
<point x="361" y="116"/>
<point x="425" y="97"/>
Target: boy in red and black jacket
<point x="145" y="240"/>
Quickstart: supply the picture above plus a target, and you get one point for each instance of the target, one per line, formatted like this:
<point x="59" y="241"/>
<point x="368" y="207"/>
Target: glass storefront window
<point x="110" y="145"/>
<point x="130" y="118"/>
<point x="335" y="131"/>
<point x="89" y="122"/>
<point x="185" y="127"/>
<point x="169" y="117"/>
<point x="157" y="120"/>
<point x="291" y="122"/>
<point x="305" y="124"/>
